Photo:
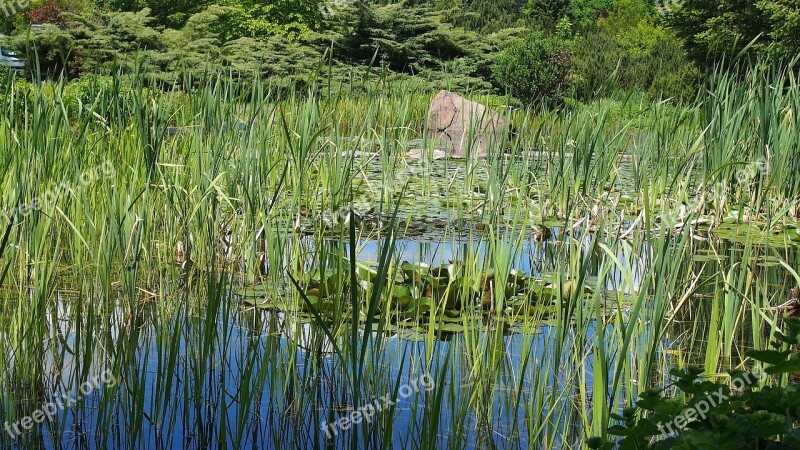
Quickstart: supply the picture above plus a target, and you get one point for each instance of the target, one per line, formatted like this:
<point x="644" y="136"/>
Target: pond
<point x="317" y="280"/>
<point x="270" y="377"/>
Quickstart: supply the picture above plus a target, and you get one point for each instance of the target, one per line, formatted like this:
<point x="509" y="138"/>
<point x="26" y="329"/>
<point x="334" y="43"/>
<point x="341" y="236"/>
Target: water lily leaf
<point x="265" y="303"/>
<point x="316" y="307"/>
<point x="260" y="290"/>
<point x="404" y="301"/>
<point x="516" y="300"/>
<point x="708" y="257"/>
<point x="401" y="291"/>
<point x="450" y="327"/>
<point x="417" y="267"/>
<point x="366" y="272"/>
<point x="451" y="316"/>
<point x="518" y="277"/>
<point x="423" y="304"/>
<point x="438" y="281"/>
<point x="415" y="334"/>
<point x="312" y="299"/>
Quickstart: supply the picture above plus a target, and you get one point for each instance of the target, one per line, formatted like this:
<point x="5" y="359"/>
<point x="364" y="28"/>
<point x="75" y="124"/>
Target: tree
<point x="784" y="33"/>
<point x="174" y="13"/>
<point x="166" y="13"/>
<point x="294" y="18"/>
<point x="547" y="13"/>
<point x="628" y="50"/>
<point x="713" y="28"/>
<point x="584" y="13"/>
<point x="407" y="39"/>
<point x="258" y="19"/>
<point x="488" y="16"/>
<point x="16" y="14"/>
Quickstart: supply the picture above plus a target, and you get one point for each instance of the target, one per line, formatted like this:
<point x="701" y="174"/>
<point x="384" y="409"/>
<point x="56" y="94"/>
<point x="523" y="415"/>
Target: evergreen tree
<point x="547" y="13"/>
<point x="488" y="16"/>
<point x="712" y="28"/>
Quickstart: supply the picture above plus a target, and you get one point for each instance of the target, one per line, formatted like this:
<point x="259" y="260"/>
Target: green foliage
<point x="784" y="34"/>
<point x="414" y="40"/>
<point x="296" y="157"/>
<point x="166" y="13"/>
<point x="404" y="35"/>
<point x="584" y="13"/>
<point x="105" y="42"/>
<point x="535" y="69"/>
<point x="16" y="14"/>
<point x="293" y="18"/>
<point x="76" y="97"/>
<point x="715" y="415"/>
<point x="613" y="43"/>
<point x="278" y="56"/>
<point x="49" y="49"/>
<point x="629" y="51"/>
<point x="220" y="23"/>
<point x="546" y="13"/>
<point x="487" y="16"/>
<point x="713" y="28"/>
<point x="259" y="19"/>
<point x="100" y="41"/>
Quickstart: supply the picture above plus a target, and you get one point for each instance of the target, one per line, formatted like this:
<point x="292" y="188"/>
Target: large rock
<point x="464" y="128"/>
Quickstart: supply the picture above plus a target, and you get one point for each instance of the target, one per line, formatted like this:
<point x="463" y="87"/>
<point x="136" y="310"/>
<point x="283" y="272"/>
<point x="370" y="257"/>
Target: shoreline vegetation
<point x="278" y="253"/>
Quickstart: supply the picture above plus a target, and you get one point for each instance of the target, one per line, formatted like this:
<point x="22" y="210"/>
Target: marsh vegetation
<point x="252" y="262"/>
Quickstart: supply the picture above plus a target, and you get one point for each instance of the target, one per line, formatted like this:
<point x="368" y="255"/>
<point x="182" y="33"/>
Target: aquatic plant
<point x="261" y="261"/>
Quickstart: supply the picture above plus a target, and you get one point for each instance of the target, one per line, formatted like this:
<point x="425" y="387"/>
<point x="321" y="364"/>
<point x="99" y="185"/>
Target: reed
<point x="219" y="270"/>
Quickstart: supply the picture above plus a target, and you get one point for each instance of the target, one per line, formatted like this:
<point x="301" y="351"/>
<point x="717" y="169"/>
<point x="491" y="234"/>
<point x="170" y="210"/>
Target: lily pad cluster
<point x="418" y="292"/>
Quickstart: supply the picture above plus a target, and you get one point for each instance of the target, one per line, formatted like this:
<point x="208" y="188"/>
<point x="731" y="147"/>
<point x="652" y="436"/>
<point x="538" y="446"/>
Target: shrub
<point x="81" y="95"/>
<point x="535" y="69"/>
<point x="546" y="13"/>
<point x="712" y="28"/>
<point x="745" y="418"/>
<point x="629" y="51"/>
<point x="47" y="51"/>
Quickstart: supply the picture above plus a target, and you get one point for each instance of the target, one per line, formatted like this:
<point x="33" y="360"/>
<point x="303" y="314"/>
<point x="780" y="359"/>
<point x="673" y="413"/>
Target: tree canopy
<point x="539" y="50"/>
<point x="712" y="28"/>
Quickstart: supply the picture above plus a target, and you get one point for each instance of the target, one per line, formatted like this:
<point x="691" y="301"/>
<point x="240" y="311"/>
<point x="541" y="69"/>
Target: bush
<point x="535" y="69"/>
<point x="81" y="95"/>
<point x="46" y="51"/>
<point x="743" y="418"/>
<point x="711" y="29"/>
<point x="629" y="51"/>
